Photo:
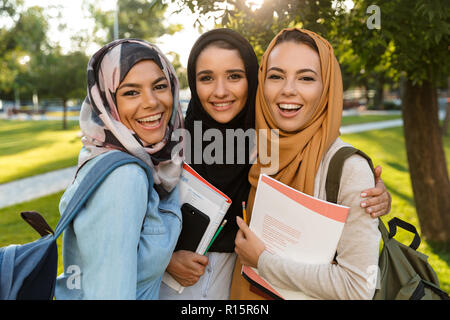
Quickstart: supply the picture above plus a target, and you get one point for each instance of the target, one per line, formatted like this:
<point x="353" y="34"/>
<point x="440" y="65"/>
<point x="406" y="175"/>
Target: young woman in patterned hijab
<point x="122" y="240"/>
<point x="100" y="121"/>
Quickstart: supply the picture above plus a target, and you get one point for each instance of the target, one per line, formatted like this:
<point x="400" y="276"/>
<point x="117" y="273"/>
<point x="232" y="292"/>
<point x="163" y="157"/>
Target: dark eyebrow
<point x="135" y="85"/>
<point x="298" y="71"/>
<point x="276" y="69"/>
<point x="204" y="72"/>
<point x="159" y="79"/>
<point x="227" y="71"/>
<point x="306" y="70"/>
<point x="235" y="70"/>
<point x="131" y="85"/>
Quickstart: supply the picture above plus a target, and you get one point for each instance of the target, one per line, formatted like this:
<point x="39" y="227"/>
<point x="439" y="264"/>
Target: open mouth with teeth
<point x="289" y="109"/>
<point x="222" y="106"/>
<point x="151" y="122"/>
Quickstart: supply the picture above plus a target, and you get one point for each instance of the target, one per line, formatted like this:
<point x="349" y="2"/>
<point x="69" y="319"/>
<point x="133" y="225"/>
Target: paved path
<point x="41" y="185"/>
<point x="22" y="190"/>
<point x="354" y="128"/>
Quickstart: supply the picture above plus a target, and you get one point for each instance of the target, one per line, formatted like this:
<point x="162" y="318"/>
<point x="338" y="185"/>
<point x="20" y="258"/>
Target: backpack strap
<point x="37" y="222"/>
<point x="92" y="181"/>
<point x="335" y="170"/>
<point x="334" y="178"/>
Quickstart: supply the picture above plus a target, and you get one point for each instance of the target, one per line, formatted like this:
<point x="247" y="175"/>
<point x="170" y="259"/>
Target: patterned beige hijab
<point x="300" y="153"/>
<point x="99" y="119"/>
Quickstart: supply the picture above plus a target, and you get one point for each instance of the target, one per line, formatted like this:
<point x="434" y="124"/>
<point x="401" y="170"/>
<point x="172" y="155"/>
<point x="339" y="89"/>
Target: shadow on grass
<point x="18" y="144"/>
<point x="398" y="166"/>
<point x="18" y="136"/>
<point x="393" y="191"/>
<point x="442" y="250"/>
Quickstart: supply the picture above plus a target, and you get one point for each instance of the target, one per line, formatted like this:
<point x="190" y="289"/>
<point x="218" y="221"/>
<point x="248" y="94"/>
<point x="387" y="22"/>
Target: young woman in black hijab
<point x="230" y="105"/>
<point x="222" y="75"/>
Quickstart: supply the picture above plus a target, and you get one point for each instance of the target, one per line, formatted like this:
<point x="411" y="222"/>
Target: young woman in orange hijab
<point x="300" y="93"/>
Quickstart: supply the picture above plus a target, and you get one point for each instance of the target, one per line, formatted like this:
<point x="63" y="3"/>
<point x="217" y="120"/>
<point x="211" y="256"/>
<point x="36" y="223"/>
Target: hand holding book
<point x="292" y="225"/>
<point x="186" y="267"/>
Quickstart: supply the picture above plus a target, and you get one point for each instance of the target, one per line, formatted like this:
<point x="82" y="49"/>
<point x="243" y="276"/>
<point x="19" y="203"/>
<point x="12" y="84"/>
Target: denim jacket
<point x="120" y="243"/>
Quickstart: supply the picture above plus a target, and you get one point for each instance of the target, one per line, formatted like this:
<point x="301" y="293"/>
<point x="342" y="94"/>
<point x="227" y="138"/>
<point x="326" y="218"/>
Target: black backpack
<point x="404" y="272"/>
<point x="28" y="272"/>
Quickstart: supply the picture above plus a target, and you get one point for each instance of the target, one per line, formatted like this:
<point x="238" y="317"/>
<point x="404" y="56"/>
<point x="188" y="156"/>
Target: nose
<point x="220" y="90"/>
<point x="149" y="99"/>
<point x="289" y="88"/>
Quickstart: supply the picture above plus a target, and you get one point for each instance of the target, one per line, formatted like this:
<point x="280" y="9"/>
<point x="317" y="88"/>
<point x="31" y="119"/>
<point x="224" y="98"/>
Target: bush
<point x="389" y="105"/>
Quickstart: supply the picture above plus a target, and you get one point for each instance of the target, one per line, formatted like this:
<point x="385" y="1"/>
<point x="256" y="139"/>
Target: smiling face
<point x="221" y="83"/>
<point x="293" y="84"/>
<point x="144" y="101"/>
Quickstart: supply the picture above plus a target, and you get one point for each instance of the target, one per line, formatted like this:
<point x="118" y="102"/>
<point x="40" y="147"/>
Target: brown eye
<point x="274" y="77"/>
<point x="235" y="76"/>
<point x="130" y="93"/>
<point x="161" y="86"/>
<point x="205" y="78"/>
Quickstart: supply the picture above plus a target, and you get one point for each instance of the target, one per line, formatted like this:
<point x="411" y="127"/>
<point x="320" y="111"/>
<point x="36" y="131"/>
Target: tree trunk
<point x="366" y="93"/>
<point x="426" y="159"/>
<point x="64" y="114"/>
<point x="379" y="95"/>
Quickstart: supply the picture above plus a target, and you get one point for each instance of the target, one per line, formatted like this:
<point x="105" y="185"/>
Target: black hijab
<point x="232" y="179"/>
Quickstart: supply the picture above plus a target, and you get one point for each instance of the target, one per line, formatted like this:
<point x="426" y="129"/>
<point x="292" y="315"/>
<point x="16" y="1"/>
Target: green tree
<point x="142" y="19"/>
<point x="9" y="8"/>
<point x="24" y="41"/>
<point x="368" y="61"/>
<point x="260" y="25"/>
<point x="63" y="76"/>
<point x="413" y="39"/>
<point x="179" y="69"/>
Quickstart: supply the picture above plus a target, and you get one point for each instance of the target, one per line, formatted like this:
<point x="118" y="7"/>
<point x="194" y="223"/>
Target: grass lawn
<point x="61" y="113"/>
<point x="28" y="148"/>
<point x="348" y="120"/>
<point x="14" y="230"/>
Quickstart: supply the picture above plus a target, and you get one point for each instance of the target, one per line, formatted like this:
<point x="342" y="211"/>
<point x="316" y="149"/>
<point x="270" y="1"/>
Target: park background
<point x="394" y="56"/>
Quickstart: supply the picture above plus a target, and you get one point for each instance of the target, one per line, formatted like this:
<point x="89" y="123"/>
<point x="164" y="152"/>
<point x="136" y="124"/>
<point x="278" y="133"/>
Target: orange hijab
<point x="300" y="153"/>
